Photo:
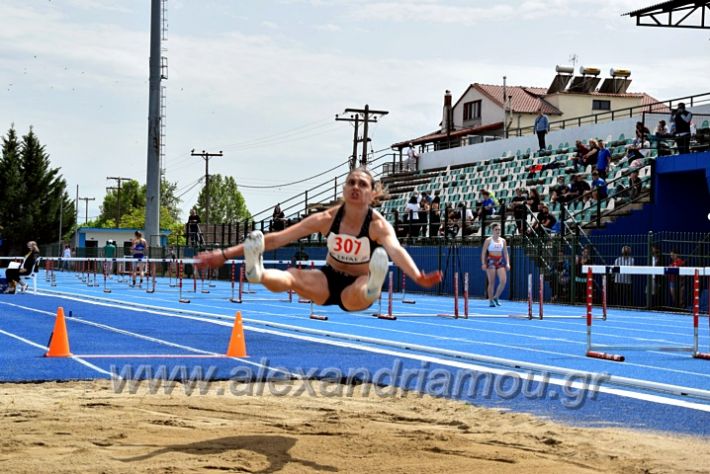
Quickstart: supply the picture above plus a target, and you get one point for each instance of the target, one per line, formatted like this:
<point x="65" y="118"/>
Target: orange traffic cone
<point x="237" y="345"/>
<point x="59" y="341"/>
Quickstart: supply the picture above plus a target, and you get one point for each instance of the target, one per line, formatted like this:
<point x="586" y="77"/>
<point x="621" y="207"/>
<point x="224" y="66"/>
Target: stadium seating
<point x="502" y="175"/>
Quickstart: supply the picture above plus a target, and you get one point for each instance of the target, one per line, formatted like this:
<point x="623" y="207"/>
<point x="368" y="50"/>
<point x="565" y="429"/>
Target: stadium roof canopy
<point x="674" y="14"/>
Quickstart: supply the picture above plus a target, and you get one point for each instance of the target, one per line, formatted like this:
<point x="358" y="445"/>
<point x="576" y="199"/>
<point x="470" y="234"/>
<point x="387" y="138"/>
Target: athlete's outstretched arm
<point x="388" y="239"/>
<point x="273" y="240"/>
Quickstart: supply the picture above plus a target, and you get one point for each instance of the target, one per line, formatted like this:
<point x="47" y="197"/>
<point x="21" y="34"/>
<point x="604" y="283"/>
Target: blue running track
<point x="494" y="358"/>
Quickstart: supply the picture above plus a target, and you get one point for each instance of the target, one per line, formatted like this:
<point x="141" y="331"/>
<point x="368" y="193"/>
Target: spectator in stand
<point x="423" y="214"/>
<point x="533" y="199"/>
<point x="278" y="217"/>
<point x="603" y="158"/>
<point x="642" y="132"/>
<point x="581" y="151"/>
<point x="549" y="221"/>
<point x="467" y="222"/>
<point x="519" y="210"/>
<point x="599" y="185"/>
<point x="565" y="197"/>
<point x="592" y="155"/>
<point x="622" y="283"/>
<point x="425" y="197"/>
<point x="487" y="205"/>
<point x="676" y="282"/>
<point x="397" y="224"/>
<point x="434" y="216"/>
<point x="633" y="152"/>
<point x="544" y="220"/>
<point x="680" y="118"/>
<point x="635" y="185"/>
<point x="411" y="216"/>
<point x="560" y="186"/>
<point x="662" y="130"/>
<point x="193" y="228"/>
<point x="412" y="157"/>
<point x="578" y="187"/>
<point x="437" y="199"/>
<point x="541" y="127"/>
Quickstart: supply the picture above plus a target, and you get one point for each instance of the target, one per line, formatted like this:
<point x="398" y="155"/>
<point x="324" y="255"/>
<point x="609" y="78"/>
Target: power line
<point x="293" y="182"/>
<point x="296" y="130"/>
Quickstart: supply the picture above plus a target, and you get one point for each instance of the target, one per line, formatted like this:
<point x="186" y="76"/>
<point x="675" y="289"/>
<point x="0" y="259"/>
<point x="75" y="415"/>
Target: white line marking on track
<point x="45" y="348"/>
<point x="519" y="365"/>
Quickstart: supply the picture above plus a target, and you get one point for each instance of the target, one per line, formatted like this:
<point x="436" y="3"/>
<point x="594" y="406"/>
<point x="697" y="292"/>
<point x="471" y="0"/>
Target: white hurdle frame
<point x="598" y="351"/>
<point x="391" y="315"/>
<point x="541" y="301"/>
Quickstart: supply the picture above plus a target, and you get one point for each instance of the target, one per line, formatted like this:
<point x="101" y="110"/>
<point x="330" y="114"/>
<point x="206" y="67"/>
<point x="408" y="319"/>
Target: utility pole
<point x="366" y="116"/>
<point x="118" y="190"/>
<point x="86" y="202"/>
<point x="206" y="156"/>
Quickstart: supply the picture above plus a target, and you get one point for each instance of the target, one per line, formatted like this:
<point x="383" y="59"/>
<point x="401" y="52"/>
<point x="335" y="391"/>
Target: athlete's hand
<point x="213" y="259"/>
<point x="427" y="280"/>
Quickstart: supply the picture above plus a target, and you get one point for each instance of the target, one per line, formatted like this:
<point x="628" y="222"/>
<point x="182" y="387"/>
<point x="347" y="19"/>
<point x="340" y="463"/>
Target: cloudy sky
<point x="262" y="80"/>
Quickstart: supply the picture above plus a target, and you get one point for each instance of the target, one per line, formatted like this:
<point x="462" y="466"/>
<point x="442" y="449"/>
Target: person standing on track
<point x="138" y="248"/>
<point x="359" y="240"/>
<point x="495" y="262"/>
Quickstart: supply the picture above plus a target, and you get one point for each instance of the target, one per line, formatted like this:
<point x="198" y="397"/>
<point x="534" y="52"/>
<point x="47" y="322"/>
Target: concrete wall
<point x="577" y="105"/>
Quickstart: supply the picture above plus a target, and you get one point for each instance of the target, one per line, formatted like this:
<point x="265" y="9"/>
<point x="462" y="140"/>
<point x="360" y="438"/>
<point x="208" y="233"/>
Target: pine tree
<point x="33" y="194"/>
<point x="11" y="189"/>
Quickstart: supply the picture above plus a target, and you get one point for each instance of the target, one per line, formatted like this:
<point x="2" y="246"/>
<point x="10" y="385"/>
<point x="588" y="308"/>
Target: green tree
<point x="132" y="197"/>
<point x="132" y="208"/>
<point x="10" y="187"/>
<point x="33" y="194"/>
<point x="227" y="204"/>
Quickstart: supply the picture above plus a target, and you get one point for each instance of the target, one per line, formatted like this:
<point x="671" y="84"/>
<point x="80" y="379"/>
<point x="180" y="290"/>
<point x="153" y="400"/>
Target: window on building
<point x="601" y="105"/>
<point x="472" y="110"/>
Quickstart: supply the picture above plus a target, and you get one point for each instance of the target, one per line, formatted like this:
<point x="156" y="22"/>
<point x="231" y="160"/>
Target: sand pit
<point x="86" y="427"/>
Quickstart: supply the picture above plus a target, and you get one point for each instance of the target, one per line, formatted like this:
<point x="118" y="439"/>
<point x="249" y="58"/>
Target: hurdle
<point x="180" y="298"/>
<point x="204" y="290"/>
<point x="151" y="287"/>
<point x="105" y="270"/>
<point x="390" y="315"/>
<point x="172" y="266"/>
<point x="404" y="291"/>
<point x="241" y="291"/>
<point x="232" y="299"/>
<point x="598" y="351"/>
<point x="541" y="301"/>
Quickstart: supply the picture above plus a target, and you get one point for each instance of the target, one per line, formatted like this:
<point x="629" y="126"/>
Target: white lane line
<point x="150" y="339"/>
<point x="615" y="380"/>
<point x="122" y="304"/>
<point x="45" y="348"/>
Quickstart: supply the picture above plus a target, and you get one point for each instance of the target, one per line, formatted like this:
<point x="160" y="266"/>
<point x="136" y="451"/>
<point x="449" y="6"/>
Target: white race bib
<point x="348" y="249"/>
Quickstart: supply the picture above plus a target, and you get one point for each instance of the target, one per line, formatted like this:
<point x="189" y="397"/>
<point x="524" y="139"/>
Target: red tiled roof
<point x="523" y="99"/>
<point x="438" y="135"/>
